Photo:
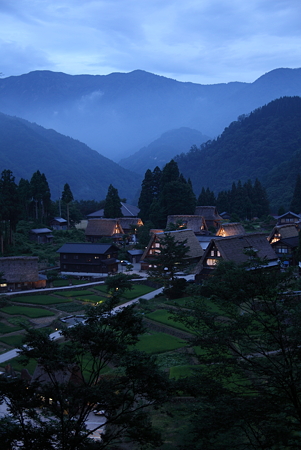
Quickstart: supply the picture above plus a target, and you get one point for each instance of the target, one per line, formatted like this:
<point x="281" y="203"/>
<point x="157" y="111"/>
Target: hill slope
<point x="163" y="149"/>
<point x="118" y="114"/>
<point x="265" y="144"/>
<point x="27" y="147"/>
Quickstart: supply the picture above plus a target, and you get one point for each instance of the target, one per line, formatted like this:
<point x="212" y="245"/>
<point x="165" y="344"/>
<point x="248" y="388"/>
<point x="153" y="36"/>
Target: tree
<point x="112" y="208"/>
<point x="246" y="321"/>
<point x="171" y="258"/>
<point x="9" y="202"/>
<point x="41" y="195"/>
<point x="296" y="199"/>
<point x="125" y="393"/>
<point x="67" y="198"/>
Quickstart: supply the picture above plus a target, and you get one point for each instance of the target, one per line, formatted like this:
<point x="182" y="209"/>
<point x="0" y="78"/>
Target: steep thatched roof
<point x="195" y="250"/>
<point x="193" y="222"/>
<point x="233" y="248"/>
<point x="284" y="232"/>
<point x="208" y="212"/>
<point x="68" y="374"/>
<point x="127" y="222"/>
<point x="103" y="227"/>
<point x="230" y="229"/>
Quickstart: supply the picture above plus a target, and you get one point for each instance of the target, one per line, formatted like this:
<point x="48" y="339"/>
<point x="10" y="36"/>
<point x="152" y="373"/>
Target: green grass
<point x="163" y="316"/>
<point x="177" y="372"/>
<point x="16" y="365"/>
<point x="137" y="291"/>
<point x="73" y="293"/>
<point x="39" y="300"/>
<point x="93" y="298"/>
<point x="101" y="287"/>
<point x="70" y="307"/>
<point x="13" y="341"/>
<point x="158" y="343"/>
<point x="8" y="329"/>
<point x="34" y="313"/>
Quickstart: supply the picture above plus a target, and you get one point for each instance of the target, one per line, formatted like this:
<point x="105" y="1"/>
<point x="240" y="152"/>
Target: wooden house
<point x="99" y="228"/>
<point x="41" y="235"/>
<point x="58" y="223"/>
<point x="20" y="273"/>
<point x="130" y="224"/>
<point x="210" y="215"/>
<point x="195" y="250"/>
<point x="238" y="249"/>
<point x="288" y="217"/>
<point x="230" y="229"/>
<point x="285" y="239"/>
<point x="88" y="259"/>
<point x="126" y="211"/>
<point x="195" y="223"/>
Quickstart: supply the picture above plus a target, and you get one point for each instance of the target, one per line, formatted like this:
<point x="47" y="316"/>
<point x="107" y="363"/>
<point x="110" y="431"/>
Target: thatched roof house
<point x="236" y="249"/>
<point x="98" y="228"/>
<point x="230" y="229"/>
<point x="195" y="223"/>
<point x="195" y="250"/>
<point x="283" y="232"/>
<point x="210" y="215"/>
<point x="284" y="239"/>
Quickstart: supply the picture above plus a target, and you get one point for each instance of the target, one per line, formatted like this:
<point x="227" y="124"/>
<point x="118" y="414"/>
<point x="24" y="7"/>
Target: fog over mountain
<point x="120" y="113"/>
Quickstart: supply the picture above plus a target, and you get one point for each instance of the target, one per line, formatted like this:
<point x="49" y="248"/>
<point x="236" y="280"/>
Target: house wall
<point x="73" y="262"/>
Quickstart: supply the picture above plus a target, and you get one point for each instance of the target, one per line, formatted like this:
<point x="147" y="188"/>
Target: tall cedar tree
<point x="9" y="202"/>
<point x="246" y="322"/>
<point x="112" y="209"/>
<point x="67" y="198"/>
<point x="170" y="194"/>
<point x="41" y="195"/>
<point x="125" y="394"/>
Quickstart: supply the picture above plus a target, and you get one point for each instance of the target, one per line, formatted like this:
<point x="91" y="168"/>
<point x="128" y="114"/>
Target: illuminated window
<point x="211" y="262"/>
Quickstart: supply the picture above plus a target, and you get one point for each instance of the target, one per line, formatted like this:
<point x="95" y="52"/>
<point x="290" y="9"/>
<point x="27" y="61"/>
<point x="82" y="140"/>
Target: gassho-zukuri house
<point x="88" y="259"/>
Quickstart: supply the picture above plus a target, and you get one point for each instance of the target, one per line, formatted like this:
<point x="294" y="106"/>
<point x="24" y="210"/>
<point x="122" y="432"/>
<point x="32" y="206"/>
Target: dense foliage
<point x="265" y="144"/>
<point x="163" y="193"/>
<point x="244" y="201"/>
<point x="51" y="412"/>
<point x="246" y="322"/>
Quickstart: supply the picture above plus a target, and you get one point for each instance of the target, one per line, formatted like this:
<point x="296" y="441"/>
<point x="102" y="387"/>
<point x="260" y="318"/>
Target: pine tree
<point x="67" y="198"/>
<point x="112" y="209"/>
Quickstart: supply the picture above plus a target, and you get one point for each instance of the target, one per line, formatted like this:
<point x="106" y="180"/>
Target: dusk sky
<point x="203" y="41"/>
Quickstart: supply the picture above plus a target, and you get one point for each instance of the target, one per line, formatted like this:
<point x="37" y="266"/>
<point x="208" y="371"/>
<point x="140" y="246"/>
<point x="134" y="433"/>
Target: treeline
<point x="30" y="200"/>
<point x="165" y="192"/>
<point x="266" y="144"/>
<point x="245" y="201"/>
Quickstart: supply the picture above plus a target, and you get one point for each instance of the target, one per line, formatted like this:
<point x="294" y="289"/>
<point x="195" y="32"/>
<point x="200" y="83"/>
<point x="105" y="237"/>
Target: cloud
<point x="208" y="41"/>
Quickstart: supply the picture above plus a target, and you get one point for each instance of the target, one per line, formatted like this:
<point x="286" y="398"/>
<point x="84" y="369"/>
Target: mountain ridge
<point x="119" y="113"/>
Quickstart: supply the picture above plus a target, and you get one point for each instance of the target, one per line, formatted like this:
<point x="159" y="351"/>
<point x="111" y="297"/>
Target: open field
<point x="39" y="299"/>
<point x="27" y="311"/>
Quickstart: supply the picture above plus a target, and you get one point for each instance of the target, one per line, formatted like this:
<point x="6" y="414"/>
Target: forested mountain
<point x="26" y="147"/>
<point x="120" y="113"/>
<point x="162" y="150"/>
<point x="266" y="144"/>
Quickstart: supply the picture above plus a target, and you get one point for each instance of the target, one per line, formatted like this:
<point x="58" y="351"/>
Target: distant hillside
<point x="266" y="145"/>
<point x="120" y="113"/>
<point x="26" y="147"/>
<point x="163" y="149"/>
